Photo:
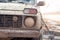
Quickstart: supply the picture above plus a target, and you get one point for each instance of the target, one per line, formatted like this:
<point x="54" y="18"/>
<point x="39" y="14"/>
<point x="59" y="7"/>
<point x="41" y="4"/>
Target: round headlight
<point x="29" y="22"/>
<point x="15" y="18"/>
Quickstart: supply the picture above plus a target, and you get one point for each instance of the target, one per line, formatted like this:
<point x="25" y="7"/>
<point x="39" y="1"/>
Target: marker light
<point x="30" y="11"/>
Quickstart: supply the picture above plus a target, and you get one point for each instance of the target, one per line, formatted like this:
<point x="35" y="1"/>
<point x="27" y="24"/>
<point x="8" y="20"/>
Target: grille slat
<point x="7" y="21"/>
<point x="1" y="21"/>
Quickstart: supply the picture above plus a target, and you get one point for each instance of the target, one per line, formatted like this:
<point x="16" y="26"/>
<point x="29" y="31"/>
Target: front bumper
<point x="19" y="33"/>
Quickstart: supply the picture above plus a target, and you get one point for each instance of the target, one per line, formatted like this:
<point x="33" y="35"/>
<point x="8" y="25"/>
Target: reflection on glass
<point x="19" y="1"/>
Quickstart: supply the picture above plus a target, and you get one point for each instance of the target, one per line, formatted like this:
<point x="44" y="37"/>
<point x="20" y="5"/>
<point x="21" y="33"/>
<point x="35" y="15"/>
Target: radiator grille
<point x="7" y="21"/>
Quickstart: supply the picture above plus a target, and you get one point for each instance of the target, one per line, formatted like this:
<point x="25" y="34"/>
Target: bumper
<point x="19" y="33"/>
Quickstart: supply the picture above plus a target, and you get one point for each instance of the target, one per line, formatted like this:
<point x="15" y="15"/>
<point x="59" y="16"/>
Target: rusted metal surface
<point x="19" y="33"/>
<point x="24" y="34"/>
<point x="5" y="39"/>
<point x="3" y="35"/>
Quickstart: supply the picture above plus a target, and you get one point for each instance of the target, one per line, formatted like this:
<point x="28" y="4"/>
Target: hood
<point x="13" y="6"/>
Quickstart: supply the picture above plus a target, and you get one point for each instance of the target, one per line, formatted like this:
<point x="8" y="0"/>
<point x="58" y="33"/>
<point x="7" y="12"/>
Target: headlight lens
<point x="15" y="18"/>
<point x="29" y="22"/>
<point x="30" y="11"/>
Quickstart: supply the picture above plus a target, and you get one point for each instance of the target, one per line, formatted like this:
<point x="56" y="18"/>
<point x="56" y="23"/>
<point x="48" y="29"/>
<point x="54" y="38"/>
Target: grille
<point x="7" y="21"/>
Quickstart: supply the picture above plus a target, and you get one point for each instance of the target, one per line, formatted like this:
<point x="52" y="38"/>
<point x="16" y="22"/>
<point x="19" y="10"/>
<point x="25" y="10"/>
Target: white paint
<point x="16" y="31"/>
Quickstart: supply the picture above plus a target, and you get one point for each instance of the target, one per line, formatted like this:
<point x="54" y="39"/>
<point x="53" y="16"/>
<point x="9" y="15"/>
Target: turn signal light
<point x="30" y="11"/>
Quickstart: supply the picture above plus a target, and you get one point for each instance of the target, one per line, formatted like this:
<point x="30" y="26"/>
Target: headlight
<point x="15" y="18"/>
<point x="29" y="22"/>
<point x="30" y="11"/>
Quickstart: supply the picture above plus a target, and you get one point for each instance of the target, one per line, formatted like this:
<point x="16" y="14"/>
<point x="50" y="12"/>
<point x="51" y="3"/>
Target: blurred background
<point x="51" y="12"/>
<point x="51" y="9"/>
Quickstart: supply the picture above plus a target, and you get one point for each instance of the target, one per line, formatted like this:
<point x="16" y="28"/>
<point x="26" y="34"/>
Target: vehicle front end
<point x="19" y="20"/>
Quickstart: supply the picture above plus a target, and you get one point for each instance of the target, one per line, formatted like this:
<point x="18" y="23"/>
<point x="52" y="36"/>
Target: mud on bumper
<point x="19" y="33"/>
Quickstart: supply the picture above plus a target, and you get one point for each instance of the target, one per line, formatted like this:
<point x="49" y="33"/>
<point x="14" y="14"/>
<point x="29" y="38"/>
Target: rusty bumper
<point x="18" y="33"/>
